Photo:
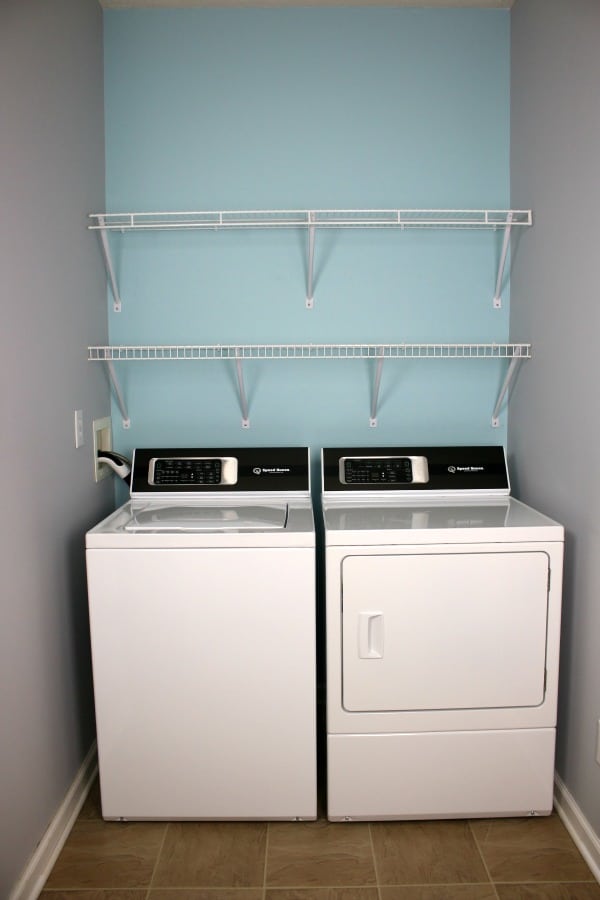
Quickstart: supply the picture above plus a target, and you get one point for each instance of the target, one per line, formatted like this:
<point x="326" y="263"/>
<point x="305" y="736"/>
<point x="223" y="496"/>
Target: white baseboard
<point x="40" y="865"/>
<point x="586" y="839"/>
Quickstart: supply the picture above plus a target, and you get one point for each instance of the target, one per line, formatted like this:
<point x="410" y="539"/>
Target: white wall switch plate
<point x="79" y="439"/>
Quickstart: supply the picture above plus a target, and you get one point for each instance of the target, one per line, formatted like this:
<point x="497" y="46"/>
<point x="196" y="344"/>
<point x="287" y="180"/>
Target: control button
<point x="187" y="471"/>
<point x="378" y="471"/>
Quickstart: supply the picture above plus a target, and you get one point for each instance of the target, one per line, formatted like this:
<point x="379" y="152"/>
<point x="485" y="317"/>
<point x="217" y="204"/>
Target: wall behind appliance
<point x="554" y="426"/>
<point x="307" y="108"/>
<point x="53" y="304"/>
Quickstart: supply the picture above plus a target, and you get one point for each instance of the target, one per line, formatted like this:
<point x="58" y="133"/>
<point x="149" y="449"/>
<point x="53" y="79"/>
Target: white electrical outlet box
<point x="79" y="439"/>
<point x="102" y="431"/>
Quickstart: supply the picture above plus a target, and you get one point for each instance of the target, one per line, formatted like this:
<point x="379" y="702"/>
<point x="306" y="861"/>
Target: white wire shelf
<point x="132" y="353"/>
<point x="311" y="220"/>
<point x="239" y="353"/>
<point x="322" y="218"/>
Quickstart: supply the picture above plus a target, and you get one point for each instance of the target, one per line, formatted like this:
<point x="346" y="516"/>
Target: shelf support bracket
<point x="375" y="394"/>
<point x="510" y="376"/>
<point x="242" y="392"/>
<point x="310" y="267"/>
<point x="117" y="392"/>
<point x="109" y="266"/>
<point x="503" y="255"/>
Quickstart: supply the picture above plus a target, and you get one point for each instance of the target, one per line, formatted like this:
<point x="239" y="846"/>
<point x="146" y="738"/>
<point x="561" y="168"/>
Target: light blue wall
<point x="303" y="108"/>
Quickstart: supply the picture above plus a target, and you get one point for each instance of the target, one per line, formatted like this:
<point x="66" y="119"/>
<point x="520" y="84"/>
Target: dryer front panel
<point x="444" y="631"/>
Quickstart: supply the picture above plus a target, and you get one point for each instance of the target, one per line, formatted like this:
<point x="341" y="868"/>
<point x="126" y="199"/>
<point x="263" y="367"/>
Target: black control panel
<point x="415" y="469"/>
<point x="186" y="471"/>
<point x="383" y="470"/>
<point x="222" y="470"/>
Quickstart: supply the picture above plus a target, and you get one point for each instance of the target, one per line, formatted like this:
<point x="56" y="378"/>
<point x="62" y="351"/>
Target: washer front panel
<point x="204" y="682"/>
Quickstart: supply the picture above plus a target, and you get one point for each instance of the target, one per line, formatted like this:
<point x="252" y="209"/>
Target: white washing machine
<point x="443" y="598"/>
<point x="202" y="619"/>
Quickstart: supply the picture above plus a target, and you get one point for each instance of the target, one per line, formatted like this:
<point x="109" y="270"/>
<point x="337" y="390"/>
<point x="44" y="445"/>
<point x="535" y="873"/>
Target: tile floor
<point x="481" y="859"/>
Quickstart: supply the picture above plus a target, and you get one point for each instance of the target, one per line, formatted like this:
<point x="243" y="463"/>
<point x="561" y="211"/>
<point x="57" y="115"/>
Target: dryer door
<point x="444" y="631"/>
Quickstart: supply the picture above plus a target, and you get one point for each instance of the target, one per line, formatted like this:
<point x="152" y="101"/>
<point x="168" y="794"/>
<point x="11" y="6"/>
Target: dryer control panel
<point x="383" y="470"/>
<point x="425" y="470"/>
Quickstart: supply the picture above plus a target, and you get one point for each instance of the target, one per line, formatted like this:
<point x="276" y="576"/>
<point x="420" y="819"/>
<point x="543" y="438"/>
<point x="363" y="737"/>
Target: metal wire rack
<point x="309" y="351"/>
<point x="323" y="218"/>
<point x="239" y="353"/>
<point x="311" y="220"/>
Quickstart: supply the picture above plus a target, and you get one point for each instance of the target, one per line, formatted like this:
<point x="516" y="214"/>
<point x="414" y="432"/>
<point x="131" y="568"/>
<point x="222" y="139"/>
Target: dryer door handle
<point x="370" y="635"/>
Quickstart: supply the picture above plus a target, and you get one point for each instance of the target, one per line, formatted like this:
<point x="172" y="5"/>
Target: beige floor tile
<point x="548" y="891"/>
<point x="333" y="893"/>
<point x="108" y="855"/>
<point x="212" y="854"/>
<point x="420" y="853"/>
<point x="440" y="892"/>
<point x="206" y="894"/>
<point x="319" y="854"/>
<point x="94" y="895"/>
<point x="530" y="849"/>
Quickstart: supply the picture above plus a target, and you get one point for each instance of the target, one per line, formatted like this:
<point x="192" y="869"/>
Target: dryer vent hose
<point x="120" y="465"/>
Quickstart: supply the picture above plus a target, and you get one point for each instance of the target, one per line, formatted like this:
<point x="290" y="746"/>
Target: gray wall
<point x="53" y="306"/>
<point x="554" y="428"/>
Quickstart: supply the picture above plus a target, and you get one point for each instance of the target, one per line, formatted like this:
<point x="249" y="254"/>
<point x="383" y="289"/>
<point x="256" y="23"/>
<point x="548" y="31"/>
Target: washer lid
<point x="192" y="518"/>
<point x="267" y="522"/>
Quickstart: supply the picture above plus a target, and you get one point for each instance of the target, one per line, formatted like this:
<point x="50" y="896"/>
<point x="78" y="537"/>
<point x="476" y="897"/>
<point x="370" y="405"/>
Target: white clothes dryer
<point x="443" y="600"/>
<point x="202" y="619"/>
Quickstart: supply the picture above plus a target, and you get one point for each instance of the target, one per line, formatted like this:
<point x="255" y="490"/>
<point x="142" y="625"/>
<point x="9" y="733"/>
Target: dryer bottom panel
<point x="440" y="775"/>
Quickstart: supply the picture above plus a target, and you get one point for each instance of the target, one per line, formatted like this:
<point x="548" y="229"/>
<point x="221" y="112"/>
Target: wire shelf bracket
<point x="109" y="265"/>
<point x="114" y="381"/>
<point x="515" y="353"/>
<point x="509" y="378"/>
<point x="310" y="302"/>
<point x="242" y="392"/>
<point x="311" y="220"/>
<point x="504" y="253"/>
<point x="375" y="393"/>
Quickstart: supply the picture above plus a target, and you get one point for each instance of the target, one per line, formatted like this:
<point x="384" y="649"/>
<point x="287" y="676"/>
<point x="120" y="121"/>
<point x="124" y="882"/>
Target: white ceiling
<point x="172" y="4"/>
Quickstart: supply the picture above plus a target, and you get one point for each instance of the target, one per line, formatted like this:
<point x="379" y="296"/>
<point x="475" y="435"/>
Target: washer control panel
<point x="193" y="472"/>
<point x="379" y="470"/>
<point x="190" y="470"/>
